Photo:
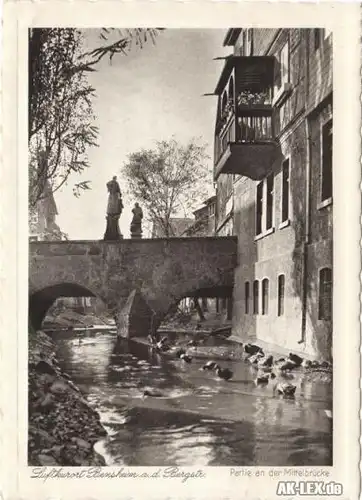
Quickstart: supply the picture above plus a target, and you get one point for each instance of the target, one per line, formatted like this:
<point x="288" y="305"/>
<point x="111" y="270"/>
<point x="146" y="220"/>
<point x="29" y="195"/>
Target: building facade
<point x="273" y="170"/>
<point x="204" y="223"/>
<point x="176" y="227"/>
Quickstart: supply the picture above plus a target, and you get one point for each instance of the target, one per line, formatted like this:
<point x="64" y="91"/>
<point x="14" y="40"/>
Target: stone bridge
<point x="138" y="280"/>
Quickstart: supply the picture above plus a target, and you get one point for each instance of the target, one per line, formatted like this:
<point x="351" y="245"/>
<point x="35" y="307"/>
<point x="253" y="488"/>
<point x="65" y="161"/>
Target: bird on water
<point x="223" y="373"/>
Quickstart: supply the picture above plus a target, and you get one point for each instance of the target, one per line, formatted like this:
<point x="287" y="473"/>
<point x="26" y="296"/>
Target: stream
<point x="198" y="419"/>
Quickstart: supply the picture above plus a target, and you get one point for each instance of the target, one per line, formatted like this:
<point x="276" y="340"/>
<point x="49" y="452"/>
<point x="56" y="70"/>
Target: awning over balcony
<point x="250" y="72"/>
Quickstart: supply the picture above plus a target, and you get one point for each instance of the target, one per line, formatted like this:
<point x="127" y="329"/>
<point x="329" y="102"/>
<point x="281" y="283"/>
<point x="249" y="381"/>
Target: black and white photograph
<point x="180" y="250"/>
<point x="180" y="247"/>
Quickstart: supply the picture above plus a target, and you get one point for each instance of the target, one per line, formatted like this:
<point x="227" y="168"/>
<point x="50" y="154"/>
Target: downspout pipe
<point x="306" y="238"/>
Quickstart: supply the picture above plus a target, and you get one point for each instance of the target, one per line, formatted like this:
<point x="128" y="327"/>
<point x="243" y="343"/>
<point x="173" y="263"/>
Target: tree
<point x="61" y="121"/>
<point x="60" y="116"/>
<point x="169" y="179"/>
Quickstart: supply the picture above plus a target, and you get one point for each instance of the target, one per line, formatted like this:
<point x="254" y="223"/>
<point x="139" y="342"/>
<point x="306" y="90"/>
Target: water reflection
<point x="199" y="419"/>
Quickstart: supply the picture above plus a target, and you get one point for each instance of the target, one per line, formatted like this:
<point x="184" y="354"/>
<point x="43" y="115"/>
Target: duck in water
<point x="180" y="352"/>
<point x="252" y="349"/>
<point x="186" y="358"/>
<point x="286" y="390"/>
<point x="265" y="362"/>
<point x="210" y="365"/>
<point x="223" y="373"/>
<point x="263" y="378"/>
<point x="295" y="359"/>
<point x="254" y="359"/>
<point x="152" y="394"/>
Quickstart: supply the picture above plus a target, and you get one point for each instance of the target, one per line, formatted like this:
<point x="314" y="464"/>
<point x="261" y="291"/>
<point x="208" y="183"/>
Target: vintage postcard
<point x="180" y="250"/>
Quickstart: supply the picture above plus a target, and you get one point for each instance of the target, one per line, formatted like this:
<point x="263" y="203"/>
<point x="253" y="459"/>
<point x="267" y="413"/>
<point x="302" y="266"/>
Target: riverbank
<point x="71" y="319"/>
<point x="63" y="428"/>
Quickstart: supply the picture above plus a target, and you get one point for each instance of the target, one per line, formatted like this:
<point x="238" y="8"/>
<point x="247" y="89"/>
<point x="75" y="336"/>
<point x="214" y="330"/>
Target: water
<point x="199" y="419"/>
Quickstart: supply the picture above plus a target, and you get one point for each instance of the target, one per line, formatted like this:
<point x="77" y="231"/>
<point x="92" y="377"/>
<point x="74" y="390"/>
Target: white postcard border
<point x="343" y="19"/>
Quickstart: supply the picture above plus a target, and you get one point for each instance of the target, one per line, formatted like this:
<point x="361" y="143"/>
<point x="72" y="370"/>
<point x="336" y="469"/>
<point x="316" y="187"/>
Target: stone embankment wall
<point x="62" y="426"/>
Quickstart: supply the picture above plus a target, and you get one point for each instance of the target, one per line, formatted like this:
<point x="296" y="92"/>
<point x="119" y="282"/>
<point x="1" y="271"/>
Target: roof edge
<point x="231" y="36"/>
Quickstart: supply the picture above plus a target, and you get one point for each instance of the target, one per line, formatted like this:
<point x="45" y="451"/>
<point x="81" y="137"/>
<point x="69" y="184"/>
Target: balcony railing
<point x="242" y="130"/>
<point x="244" y="142"/>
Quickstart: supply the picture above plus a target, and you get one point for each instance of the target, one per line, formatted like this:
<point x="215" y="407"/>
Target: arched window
<point x="281" y="293"/>
<point x="247" y="297"/>
<point x="231" y="89"/>
<point x="256" y="297"/>
<point x="325" y="294"/>
<point x="265" y="296"/>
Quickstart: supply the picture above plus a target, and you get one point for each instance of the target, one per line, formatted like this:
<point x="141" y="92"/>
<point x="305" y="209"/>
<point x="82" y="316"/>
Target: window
<point x="259" y="207"/>
<point x="285" y="190"/>
<point x="327" y="146"/>
<point x="247" y="297"/>
<point x="256" y="297"/>
<point x="284" y="64"/>
<point x="281" y="68"/>
<point x="269" y="201"/>
<point x="317" y="38"/>
<point x="325" y="294"/>
<point x="265" y="205"/>
<point x="265" y="296"/>
<point x="281" y="293"/>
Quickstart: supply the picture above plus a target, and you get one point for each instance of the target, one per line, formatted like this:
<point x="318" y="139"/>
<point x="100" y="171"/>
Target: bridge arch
<point x="41" y="299"/>
<point x="209" y="287"/>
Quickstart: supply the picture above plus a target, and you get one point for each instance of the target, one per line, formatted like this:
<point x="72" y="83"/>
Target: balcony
<point x="244" y="135"/>
<point x="245" y="144"/>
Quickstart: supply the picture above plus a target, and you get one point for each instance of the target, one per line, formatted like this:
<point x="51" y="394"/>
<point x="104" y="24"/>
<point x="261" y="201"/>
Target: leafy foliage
<point x="61" y="120"/>
<point x="169" y="179"/>
<point x="122" y="44"/>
